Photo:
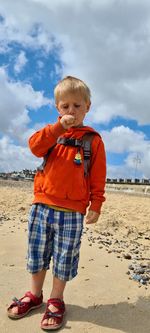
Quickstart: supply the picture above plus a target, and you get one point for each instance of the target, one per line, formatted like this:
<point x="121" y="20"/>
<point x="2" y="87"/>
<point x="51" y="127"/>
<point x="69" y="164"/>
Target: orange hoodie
<point x="62" y="182"/>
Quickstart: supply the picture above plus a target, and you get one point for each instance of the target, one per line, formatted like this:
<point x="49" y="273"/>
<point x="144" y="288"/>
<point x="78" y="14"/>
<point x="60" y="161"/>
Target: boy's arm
<point x="97" y="179"/>
<point x="41" y="141"/>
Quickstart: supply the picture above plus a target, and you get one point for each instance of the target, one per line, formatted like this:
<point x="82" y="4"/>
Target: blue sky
<point x="107" y="44"/>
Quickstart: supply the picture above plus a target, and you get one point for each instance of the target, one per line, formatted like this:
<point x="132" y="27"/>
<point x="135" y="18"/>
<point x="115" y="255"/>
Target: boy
<point x="62" y="192"/>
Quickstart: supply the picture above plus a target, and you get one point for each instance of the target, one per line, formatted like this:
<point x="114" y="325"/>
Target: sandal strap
<point x="54" y="314"/>
<point x="57" y="302"/>
<point x="17" y="301"/>
<point x="34" y="298"/>
<point x="24" y="306"/>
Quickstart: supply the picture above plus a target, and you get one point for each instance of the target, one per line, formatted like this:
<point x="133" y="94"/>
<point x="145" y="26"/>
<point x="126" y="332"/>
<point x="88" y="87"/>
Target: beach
<point x="111" y="293"/>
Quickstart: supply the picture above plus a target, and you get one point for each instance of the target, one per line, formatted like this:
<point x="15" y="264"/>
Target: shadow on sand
<point x="127" y="317"/>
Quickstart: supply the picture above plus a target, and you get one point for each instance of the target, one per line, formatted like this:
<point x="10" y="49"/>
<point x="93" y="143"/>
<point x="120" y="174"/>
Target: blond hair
<point x="71" y="84"/>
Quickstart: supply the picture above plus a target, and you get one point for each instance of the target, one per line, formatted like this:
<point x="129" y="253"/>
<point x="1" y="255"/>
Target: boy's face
<point x="74" y="105"/>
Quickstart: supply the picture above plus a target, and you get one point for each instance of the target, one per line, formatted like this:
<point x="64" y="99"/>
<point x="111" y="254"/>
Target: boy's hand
<point x="67" y="121"/>
<point x="91" y="217"/>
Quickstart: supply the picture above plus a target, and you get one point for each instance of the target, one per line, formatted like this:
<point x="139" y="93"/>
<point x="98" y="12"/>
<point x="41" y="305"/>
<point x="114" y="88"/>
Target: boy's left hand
<point x="91" y="217"/>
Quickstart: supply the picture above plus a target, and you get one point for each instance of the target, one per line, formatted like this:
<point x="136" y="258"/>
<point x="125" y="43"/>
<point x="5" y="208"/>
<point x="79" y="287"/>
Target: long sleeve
<point x="41" y="141"/>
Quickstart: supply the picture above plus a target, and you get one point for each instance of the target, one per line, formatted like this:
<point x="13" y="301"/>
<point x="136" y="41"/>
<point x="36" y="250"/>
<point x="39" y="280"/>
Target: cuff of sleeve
<point x="96" y="206"/>
<point x="57" y="129"/>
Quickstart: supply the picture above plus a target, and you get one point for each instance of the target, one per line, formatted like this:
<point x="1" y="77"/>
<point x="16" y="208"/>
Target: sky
<point x="105" y="43"/>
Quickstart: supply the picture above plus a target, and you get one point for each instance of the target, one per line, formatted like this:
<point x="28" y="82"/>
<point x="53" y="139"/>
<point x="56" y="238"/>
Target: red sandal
<point x="25" y="307"/>
<point x="58" y="315"/>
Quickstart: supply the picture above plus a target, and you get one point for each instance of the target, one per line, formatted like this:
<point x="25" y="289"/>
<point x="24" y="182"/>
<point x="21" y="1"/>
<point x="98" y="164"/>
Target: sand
<point x="103" y="298"/>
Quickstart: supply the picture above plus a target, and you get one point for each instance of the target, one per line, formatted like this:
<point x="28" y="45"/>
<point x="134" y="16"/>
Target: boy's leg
<point x="37" y="281"/>
<point x="67" y="241"/>
<point x="39" y="249"/>
<point x="58" y="288"/>
<point x="57" y="292"/>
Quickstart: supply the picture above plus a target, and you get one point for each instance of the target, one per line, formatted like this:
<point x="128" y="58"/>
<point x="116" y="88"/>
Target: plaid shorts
<point x="56" y="234"/>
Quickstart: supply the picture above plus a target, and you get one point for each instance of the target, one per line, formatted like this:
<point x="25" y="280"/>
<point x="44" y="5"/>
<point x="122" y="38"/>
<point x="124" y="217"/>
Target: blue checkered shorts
<point x="56" y="234"/>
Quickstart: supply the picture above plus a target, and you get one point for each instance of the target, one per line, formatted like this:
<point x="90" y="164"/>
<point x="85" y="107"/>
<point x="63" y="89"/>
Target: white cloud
<point x="15" y="99"/>
<point x="135" y="166"/>
<point x="106" y="43"/>
<point x="120" y="171"/>
<point x="20" y="62"/>
<point x="14" y="157"/>
<point x="23" y="28"/>
<point x="122" y="139"/>
<point x="140" y="163"/>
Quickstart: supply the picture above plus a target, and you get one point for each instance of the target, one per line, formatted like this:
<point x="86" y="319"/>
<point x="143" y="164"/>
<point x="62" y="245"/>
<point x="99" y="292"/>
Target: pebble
<point x="125" y="248"/>
<point x="131" y="267"/>
<point x="21" y="209"/>
<point x="136" y="277"/>
<point x="127" y="256"/>
<point x="140" y="270"/>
